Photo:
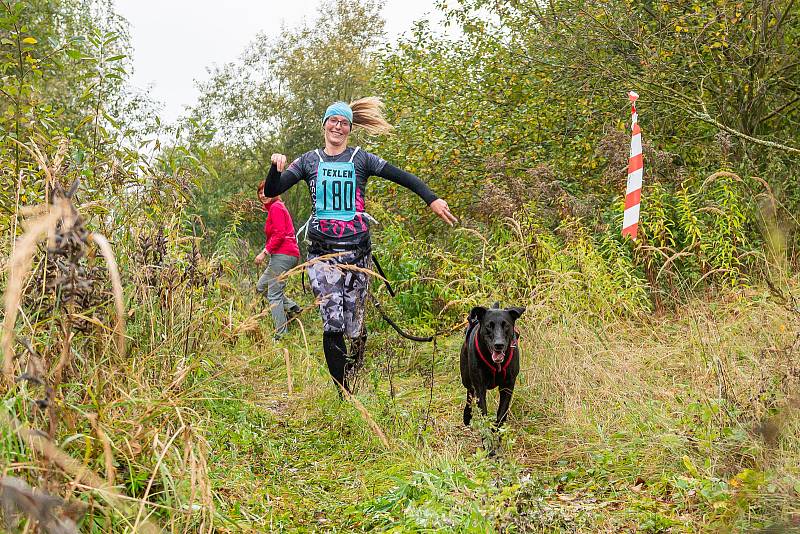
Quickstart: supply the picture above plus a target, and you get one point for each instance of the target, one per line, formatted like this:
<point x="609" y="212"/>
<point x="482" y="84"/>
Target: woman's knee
<point x="263" y="285"/>
<point x="275" y="288"/>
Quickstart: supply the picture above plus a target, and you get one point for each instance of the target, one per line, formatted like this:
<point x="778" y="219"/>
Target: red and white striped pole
<point x="630" y="220"/>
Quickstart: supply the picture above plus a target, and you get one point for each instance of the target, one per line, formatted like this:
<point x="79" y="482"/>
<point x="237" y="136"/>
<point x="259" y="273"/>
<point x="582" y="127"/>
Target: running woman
<point x="337" y="182"/>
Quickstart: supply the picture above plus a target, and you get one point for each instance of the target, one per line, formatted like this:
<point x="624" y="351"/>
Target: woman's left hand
<point x="440" y="208"/>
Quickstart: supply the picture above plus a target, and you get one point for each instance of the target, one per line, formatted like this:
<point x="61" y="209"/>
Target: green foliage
<point x="486" y="135"/>
<point x="276" y="94"/>
<point x="574" y="272"/>
<point x="63" y="89"/>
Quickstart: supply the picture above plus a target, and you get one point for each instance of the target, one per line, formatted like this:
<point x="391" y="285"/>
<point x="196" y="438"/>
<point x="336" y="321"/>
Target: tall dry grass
<point x="125" y="413"/>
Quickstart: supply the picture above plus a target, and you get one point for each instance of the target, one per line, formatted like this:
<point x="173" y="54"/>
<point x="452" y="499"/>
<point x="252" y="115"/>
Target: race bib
<point x="336" y="190"/>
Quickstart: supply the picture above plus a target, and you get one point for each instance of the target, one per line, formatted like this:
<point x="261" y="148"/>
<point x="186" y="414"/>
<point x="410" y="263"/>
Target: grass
<point x="620" y="429"/>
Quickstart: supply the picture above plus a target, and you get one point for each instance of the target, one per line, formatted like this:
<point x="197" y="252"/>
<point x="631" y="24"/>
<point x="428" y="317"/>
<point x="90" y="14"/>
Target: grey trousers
<point x="279" y="303"/>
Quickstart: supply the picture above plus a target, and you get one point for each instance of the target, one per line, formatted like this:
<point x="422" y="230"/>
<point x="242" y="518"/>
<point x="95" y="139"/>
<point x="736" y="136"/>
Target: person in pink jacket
<point x="281" y="246"/>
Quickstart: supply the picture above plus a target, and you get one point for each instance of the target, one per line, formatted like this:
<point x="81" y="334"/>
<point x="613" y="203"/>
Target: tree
<point x="61" y="71"/>
<point x="525" y="114"/>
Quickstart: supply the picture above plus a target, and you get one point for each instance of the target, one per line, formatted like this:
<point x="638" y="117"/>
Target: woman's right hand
<point x="440" y="208"/>
<point x="261" y="257"/>
<point x="279" y="160"/>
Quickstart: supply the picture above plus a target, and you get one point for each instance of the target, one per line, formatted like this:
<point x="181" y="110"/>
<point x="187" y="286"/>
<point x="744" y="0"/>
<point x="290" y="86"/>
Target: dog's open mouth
<point x="497" y="356"/>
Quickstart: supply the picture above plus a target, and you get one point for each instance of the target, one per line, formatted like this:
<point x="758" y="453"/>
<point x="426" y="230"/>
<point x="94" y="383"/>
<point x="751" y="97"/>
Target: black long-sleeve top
<point x="335" y="232"/>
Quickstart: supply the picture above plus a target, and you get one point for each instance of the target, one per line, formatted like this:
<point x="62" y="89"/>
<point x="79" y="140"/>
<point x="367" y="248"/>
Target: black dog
<point x="490" y="358"/>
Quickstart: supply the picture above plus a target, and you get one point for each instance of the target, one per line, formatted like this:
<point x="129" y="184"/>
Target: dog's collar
<point x="508" y="358"/>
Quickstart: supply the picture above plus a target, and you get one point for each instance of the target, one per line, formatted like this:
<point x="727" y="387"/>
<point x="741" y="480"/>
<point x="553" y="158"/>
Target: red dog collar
<point x="509" y="355"/>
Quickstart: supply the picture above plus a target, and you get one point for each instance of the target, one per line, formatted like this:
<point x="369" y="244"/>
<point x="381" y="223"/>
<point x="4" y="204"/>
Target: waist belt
<point x="320" y="248"/>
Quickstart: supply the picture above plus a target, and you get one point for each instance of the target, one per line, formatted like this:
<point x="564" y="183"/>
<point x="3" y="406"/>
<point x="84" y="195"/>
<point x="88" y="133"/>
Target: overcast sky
<point x="176" y="40"/>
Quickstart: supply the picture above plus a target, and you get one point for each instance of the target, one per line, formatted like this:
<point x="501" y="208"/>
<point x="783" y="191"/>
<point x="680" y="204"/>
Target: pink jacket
<point x="279" y="231"/>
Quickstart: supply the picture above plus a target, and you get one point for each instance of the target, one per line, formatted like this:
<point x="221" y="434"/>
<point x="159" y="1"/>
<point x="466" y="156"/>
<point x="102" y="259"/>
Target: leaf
<point x="86" y="120"/>
<point x="30" y="41"/>
<point x="116" y="58"/>
<point x="110" y="119"/>
<point x="687" y="463"/>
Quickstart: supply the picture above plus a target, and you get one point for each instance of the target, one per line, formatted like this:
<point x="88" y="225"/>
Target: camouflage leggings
<point x="342" y="293"/>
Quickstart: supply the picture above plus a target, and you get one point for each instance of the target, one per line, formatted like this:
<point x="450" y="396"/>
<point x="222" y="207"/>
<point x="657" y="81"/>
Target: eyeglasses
<point x="342" y="123"/>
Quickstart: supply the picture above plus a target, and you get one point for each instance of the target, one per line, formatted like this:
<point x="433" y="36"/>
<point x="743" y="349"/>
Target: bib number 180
<point x="338" y="195"/>
<point x="336" y="191"/>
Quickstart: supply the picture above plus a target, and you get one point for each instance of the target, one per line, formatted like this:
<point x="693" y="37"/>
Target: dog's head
<point x="496" y="328"/>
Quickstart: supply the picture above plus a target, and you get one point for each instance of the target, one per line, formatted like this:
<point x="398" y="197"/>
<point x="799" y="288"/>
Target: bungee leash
<point x="385" y="278"/>
<point x="397" y="329"/>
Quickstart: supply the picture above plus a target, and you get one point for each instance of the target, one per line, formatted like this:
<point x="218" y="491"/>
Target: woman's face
<point x="262" y="198"/>
<point x="337" y="128"/>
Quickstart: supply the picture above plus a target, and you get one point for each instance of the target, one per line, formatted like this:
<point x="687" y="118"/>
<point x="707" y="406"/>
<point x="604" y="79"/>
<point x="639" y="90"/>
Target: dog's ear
<point x="515" y="312"/>
<point x="477" y="313"/>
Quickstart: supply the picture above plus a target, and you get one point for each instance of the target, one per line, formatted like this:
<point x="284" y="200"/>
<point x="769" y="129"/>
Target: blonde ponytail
<point x="368" y="114"/>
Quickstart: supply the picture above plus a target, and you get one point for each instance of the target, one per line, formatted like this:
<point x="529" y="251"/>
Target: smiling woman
<point x="337" y="182"/>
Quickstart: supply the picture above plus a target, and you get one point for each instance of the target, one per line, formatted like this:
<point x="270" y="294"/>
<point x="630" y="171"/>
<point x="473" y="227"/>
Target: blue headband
<point x="338" y="108"/>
